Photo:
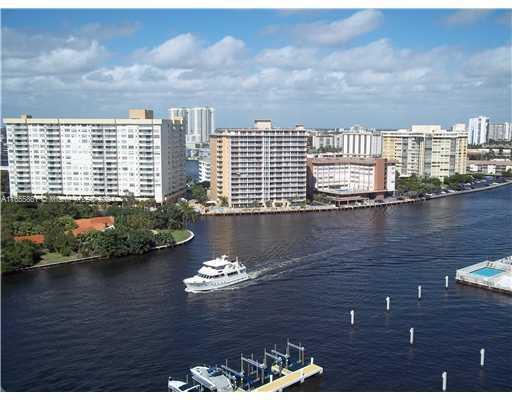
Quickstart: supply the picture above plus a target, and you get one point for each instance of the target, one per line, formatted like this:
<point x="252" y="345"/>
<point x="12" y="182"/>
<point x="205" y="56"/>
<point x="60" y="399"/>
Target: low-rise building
<point x="490" y="167"/>
<point x="350" y="175"/>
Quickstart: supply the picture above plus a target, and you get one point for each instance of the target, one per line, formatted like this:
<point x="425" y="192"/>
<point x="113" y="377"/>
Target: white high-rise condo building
<point x="258" y="166"/>
<point x="356" y="142"/>
<point x="200" y="123"/>
<point x="91" y="158"/>
<point x="426" y="150"/>
<point x="499" y="131"/>
<point x="478" y="130"/>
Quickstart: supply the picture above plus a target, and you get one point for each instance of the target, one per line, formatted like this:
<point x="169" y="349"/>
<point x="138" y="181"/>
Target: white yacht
<point x="216" y="274"/>
<point x="175" y="385"/>
<point x="212" y="379"/>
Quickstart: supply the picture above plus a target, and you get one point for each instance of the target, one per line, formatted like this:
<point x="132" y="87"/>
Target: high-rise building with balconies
<point x="260" y="166"/>
<point x="200" y="122"/>
<point x="91" y="158"/>
<point x="426" y="150"/>
<point x="478" y="130"/>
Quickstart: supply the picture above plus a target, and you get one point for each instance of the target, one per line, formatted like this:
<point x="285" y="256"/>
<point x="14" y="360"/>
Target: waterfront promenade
<point x="369" y="204"/>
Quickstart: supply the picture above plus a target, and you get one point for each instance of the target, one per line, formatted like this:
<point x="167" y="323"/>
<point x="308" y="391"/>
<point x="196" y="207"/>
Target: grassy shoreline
<point x="48" y="259"/>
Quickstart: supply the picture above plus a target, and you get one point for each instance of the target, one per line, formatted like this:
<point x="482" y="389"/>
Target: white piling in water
<point x="387" y="303"/>
<point x="271" y="378"/>
<point x="482" y="357"/>
<point x="444" y="376"/>
<point x="411" y="336"/>
<point x="419" y="292"/>
<point x="312" y="360"/>
<point x="352" y="315"/>
<point x="446" y="282"/>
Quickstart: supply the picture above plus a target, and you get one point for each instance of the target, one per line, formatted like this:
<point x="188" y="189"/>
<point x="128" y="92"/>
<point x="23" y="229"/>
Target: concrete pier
<point x="491" y="275"/>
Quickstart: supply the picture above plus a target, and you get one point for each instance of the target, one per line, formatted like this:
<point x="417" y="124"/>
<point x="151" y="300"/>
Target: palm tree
<point x="188" y="214"/>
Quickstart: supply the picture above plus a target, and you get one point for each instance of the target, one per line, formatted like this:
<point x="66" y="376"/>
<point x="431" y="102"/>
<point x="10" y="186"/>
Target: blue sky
<point x="325" y="68"/>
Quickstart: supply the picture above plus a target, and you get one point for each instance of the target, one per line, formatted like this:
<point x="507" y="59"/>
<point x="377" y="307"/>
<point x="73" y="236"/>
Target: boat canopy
<point x="218" y="262"/>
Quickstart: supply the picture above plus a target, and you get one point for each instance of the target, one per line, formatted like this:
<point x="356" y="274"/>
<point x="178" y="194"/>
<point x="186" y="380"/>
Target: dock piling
<point x="444" y="376"/>
<point x="387" y="303"/>
<point x="482" y="357"/>
<point x="352" y="314"/>
<point x="419" y="292"/>
<point x="446" y="282"/>
<point x="411" y="336"/>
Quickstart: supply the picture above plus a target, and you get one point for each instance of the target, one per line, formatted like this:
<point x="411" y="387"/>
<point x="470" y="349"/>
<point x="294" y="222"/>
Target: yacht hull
<point x="196" y="287"/>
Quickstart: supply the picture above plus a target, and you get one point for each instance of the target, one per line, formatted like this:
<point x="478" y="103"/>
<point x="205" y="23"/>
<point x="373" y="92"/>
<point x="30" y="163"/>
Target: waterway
<point x="127" y="324"/>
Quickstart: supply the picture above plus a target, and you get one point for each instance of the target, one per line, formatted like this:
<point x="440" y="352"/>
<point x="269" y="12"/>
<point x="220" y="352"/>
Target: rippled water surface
<point x="127" y="324"/>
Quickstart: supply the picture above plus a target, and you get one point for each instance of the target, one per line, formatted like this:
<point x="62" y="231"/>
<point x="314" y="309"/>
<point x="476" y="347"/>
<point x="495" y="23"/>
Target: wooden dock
<point x="290" y="378"/>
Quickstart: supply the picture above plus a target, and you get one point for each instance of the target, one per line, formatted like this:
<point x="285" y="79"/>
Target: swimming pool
<point x="487" y="272"/>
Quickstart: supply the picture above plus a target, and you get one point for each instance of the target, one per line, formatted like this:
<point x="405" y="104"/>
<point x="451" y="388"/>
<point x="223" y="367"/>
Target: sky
<point x="323" y="68"/>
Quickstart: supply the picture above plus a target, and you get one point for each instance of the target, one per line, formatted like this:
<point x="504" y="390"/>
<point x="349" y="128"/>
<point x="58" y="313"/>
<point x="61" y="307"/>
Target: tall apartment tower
<point x="426" y="150"/>
<point x="259" y="166"/>
<point x="97" y="158"/>
<point x="478" y="130"/>
<point x="499" y="131"/>
<point x="3" y="147"/>
<point x="200" y="123"/>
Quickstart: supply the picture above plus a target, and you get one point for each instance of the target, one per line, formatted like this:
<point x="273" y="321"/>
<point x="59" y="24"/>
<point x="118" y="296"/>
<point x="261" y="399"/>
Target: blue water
<point x="127" y="324"/>
<point x="487" y="272"/>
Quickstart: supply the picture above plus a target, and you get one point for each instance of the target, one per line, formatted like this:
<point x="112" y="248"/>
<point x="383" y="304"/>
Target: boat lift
<point x="237" y="377"/>
<point x="298" y="347"/>
<point x="284" y="357"/>
<point x="254" y="368"/>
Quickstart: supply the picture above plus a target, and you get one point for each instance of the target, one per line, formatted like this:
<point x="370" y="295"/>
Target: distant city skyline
<point x="324" y="68"/>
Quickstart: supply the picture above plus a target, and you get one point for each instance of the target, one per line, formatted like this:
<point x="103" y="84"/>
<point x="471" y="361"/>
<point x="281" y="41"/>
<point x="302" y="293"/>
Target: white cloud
<point x="491" y="63"/>
<point x="186" y="50"/>
<point x="71" y="74"/>
<point x="181" y="50"/>
<point x="289" y="56"/>
<point x="340" y="31"/>
<point x="60" y="60"/>
<point x="465" y="17"/>
<point x="224" y="52"/>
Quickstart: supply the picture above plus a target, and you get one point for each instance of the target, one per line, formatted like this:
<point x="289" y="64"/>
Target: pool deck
<point x="501" y="282"/>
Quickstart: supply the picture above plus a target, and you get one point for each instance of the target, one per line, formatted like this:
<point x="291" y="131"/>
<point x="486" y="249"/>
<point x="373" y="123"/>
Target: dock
<point x="275" y="372"/>
<point x="490" y="275"/>
<point x="226" y="211"/>
<point x="290" y="378"/>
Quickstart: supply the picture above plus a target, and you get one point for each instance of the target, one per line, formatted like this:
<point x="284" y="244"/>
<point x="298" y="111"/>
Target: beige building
<point x="258" y="166"/>
<point x="349" y="175"/>
<point x="97" y="158"/>
<point x="491" y="167"/>
<point x="426" y="150"/>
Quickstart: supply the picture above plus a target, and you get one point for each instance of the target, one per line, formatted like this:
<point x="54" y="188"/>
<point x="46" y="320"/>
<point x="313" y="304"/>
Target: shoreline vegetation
<point x="55" y="259"/>
<point x="43" y="233"/>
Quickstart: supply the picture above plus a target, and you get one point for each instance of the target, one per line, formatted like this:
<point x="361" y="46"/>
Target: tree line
<point x="138" y="227"/>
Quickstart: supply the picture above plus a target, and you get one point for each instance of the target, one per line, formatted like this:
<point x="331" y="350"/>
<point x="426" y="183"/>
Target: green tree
<point x="198" y="192"/>
<point x="164" y="237"/>
<point x="139" y="241"/>
<point x="187" y="213"/>
<point x="20" y="254"/>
